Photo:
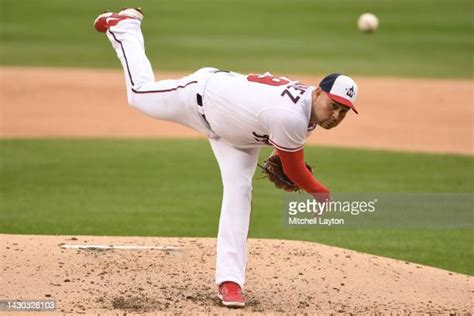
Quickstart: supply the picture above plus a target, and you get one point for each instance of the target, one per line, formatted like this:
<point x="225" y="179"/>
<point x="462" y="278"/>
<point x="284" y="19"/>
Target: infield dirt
<point x="283" y="277"/>
<point x="398" y="114"/>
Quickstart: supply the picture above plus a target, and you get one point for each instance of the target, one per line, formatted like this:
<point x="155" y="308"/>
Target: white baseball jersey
<point x="255" y="110"/>
<point x="245" y="111"/>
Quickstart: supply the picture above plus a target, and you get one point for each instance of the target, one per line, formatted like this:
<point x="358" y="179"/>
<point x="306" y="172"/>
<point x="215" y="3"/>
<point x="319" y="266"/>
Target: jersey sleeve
<point x="287" y="131"/>
<point x="295" y="168"/>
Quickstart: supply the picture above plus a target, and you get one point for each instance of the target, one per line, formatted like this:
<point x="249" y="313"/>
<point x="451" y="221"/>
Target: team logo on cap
<point x="340" y="88"/>
<point x="350" y="92"/>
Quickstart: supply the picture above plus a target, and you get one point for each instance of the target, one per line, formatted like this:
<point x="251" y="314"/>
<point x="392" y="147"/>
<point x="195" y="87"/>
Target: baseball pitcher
<point x="239" y="114"/>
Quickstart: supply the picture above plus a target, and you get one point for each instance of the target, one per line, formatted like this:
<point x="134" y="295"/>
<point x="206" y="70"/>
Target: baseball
<point x="368" y="23"/>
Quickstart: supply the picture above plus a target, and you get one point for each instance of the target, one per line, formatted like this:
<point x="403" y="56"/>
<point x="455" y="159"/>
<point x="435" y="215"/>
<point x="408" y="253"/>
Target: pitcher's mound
<point x="177" y="276"/>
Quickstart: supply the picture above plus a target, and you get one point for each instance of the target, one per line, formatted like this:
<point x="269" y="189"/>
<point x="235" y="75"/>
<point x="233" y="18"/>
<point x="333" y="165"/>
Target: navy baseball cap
<point x="341" y="89"/>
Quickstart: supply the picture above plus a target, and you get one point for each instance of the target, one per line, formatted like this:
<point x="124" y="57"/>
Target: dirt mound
<point x="283" y="276"/>
<point x="403" y="114"/>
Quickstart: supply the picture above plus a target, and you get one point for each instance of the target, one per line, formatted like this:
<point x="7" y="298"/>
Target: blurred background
<point x="426" y="38"/>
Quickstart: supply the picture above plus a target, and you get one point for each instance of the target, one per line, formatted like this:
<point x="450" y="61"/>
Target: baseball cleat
<point x="108" y="19"/>
<point x="230" y="294"/>
<point x="136" y="13"/>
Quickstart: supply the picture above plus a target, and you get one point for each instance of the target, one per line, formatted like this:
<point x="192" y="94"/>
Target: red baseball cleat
<point x="108" y="19"/>
<point x="230" y="294"/>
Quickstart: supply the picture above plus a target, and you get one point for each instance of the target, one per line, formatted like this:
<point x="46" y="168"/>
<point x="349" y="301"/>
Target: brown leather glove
<point x="273" y="170"/>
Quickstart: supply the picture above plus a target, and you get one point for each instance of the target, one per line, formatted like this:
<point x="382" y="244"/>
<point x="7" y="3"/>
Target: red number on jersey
<point x="268" y="79"/>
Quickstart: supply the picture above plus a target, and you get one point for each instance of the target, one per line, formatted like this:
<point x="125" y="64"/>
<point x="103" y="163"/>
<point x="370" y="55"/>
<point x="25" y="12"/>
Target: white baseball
<point x="368" y="22"/>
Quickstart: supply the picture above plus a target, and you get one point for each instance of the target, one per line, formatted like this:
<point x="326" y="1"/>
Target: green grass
<point x="172" y="188"/>
<point x="425" y="38"/>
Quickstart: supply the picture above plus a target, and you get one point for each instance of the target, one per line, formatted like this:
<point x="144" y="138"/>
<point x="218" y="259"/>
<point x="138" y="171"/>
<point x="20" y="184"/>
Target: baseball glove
<point x="273" y="170"/>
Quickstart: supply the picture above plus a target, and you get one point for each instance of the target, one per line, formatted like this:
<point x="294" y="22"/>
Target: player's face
<point x="328" y="114"/>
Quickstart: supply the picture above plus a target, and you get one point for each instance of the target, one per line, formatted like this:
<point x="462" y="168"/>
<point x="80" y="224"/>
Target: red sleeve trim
<point x="285" y="148"/>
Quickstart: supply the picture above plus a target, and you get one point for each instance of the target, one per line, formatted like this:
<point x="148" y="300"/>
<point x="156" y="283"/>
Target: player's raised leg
<point x="124" y="32"/>
<point x="171" y="100"/>
<point x="237" y="168"/>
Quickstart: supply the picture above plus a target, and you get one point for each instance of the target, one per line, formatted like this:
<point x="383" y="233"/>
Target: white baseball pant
<point x="175" y="100"/>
